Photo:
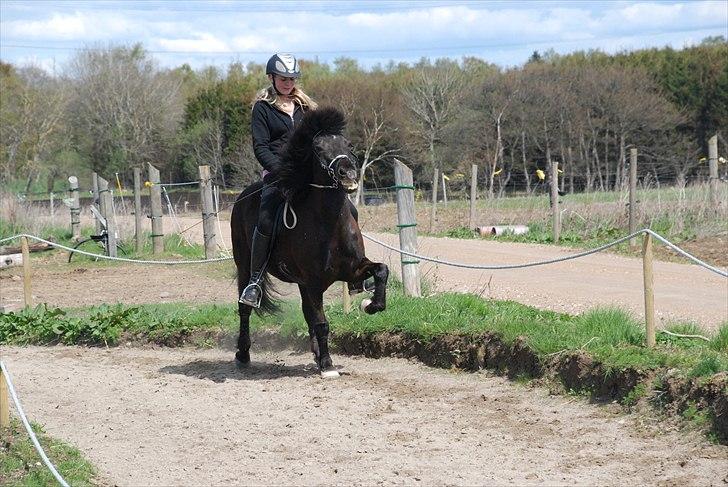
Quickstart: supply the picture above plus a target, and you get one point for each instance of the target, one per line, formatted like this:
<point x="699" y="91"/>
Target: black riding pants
<point x="270" y="200"/>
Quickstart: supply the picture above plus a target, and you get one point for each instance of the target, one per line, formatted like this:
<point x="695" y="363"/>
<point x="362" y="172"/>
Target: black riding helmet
<point x="284" y="65"/>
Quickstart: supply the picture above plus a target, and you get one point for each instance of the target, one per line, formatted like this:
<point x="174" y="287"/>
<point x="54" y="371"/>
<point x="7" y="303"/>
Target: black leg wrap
<point x="321" y="330"/>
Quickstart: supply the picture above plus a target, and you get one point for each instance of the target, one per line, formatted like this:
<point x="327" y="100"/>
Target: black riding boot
<point x="253" y="293"/>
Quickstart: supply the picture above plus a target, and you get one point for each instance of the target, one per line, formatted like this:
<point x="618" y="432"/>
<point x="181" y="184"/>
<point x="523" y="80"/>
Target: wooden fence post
<point x="407" y="225"/>
<point x="97" y="200"/>
<point x="107" y="211"/>
<point x="435" y="183"/>
<point x="155" y="200"/>
<point x="75" y="208"/>
<point x="4" y="402"/>
<point x="346" y="301"/>
<point x="632" y="195"/>
<point x="53" y="209"/>
<point x="27" y="290"/>
<point x="556" y="214"/>
<point x="713" y="167"/>
<point x="649" y="289"/>
<point x="473" y="195"/>
<point x="208" y="212"/>
<point x="138" y="209"/>
<point x="444" y="189"/>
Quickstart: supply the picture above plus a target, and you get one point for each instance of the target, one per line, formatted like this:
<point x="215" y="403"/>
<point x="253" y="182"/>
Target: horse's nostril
<point x="351" y="174"/>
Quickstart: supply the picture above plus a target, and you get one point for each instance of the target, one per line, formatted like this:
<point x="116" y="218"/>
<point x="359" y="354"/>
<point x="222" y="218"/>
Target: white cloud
<point x="372" y="36"/>
<point x="59" y="25"/>
<point x="250" y="42"/>
<point x="82" y="26"/>
<point x="201" y="42"/>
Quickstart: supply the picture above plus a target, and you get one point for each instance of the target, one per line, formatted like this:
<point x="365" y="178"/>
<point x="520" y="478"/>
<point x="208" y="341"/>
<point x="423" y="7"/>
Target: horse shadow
<point x="222" y="370"/>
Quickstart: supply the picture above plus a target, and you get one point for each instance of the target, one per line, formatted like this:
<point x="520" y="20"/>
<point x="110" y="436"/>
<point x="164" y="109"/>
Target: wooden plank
<point x="16" y="249"/>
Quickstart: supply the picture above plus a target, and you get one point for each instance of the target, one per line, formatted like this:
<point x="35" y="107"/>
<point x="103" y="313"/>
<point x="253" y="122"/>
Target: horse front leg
<point x="242" y="356"/>
<point x="318" y="329"/>
<point x="380" y="272"/>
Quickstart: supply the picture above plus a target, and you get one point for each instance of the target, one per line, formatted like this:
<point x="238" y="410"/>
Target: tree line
<point x="114" y="108"/>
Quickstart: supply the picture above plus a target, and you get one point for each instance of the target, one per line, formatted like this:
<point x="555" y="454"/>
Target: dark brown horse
<point x="317" y="171"/>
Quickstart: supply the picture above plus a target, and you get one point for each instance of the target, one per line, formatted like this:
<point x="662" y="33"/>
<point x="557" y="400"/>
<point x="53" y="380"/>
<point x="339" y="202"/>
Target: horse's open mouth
<point x="350" y="186"/>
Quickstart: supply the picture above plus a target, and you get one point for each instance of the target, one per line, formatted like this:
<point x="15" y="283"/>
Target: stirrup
<point x="253" y="287"/>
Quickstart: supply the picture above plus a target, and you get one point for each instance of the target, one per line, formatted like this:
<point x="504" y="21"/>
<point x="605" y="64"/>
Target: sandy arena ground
<point x="188" y="417"/>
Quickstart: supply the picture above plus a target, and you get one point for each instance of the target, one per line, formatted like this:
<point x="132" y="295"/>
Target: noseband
<point x="330" y="168"/>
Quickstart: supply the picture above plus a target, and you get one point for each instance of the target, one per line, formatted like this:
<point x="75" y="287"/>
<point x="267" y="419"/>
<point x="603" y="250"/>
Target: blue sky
<point x="47" y="32"/>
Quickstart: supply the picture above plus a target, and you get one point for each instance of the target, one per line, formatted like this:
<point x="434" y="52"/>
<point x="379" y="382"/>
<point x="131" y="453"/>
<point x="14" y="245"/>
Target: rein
<point x="287" y="208"/>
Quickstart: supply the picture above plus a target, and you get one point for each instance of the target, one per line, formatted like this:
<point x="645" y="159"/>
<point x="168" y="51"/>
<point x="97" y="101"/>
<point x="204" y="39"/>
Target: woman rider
<point x="276" y="111"/>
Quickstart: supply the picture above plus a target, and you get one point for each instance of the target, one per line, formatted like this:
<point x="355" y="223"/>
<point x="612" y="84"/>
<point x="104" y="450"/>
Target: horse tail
<point x="268" y="303"/>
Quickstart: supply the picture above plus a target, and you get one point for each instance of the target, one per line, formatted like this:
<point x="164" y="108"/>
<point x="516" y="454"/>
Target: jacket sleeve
<point x="261" y="138"/>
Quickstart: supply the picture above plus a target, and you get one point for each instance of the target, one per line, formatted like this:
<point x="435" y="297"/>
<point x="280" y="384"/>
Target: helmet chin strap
<point x="273" y="82"/>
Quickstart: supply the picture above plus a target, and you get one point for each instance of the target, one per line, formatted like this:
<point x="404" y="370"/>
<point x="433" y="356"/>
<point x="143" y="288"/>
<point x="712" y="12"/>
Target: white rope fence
<point x="119" y="259"/>
<point x="411" y="254"/>
<point x="553" y="261"/>
<point x="21" y="413"/>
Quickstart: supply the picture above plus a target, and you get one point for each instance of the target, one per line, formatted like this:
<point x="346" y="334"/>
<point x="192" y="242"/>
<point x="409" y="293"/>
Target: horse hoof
<point x="364" y="303"/>
<point x="242" y="360"/>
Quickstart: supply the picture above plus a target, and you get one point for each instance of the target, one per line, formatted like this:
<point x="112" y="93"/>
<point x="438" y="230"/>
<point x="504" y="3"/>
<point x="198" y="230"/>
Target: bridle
<point x="331" y="168"/>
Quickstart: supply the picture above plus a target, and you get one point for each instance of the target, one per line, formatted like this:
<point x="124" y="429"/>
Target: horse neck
<point x="329" y="201"/>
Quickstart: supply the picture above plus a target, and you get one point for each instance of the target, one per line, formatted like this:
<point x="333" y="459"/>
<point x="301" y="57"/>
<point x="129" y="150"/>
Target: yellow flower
<point x="541" y="175"/>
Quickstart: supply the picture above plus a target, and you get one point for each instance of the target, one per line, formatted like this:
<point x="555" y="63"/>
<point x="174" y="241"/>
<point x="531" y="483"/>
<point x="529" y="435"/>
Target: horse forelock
<point x="296" y="169"/>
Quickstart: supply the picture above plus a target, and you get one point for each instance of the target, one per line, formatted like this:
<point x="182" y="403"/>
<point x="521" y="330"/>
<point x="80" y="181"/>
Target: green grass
<point x="611" y="336"/>
<point x="20" y="464"/>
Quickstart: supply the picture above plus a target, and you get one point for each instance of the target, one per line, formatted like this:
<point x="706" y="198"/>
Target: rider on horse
<point x="276" y="111"/>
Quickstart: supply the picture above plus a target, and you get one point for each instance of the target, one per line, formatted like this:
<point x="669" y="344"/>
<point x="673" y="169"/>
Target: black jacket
<point x="271" y="128"/>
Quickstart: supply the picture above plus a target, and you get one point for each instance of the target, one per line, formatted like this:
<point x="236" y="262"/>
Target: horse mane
<point x="295" y="172"/>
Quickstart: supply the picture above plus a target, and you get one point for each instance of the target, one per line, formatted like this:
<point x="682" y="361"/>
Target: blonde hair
<point x="269" y="95"/>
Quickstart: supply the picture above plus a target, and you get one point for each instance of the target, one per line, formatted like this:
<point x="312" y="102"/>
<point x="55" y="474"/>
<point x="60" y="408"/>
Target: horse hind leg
<point x="318" y="331"/>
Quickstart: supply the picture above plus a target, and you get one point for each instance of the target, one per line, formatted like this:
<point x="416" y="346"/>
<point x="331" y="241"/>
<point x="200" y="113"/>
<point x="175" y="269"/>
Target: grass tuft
<point x="20" y="464"/>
